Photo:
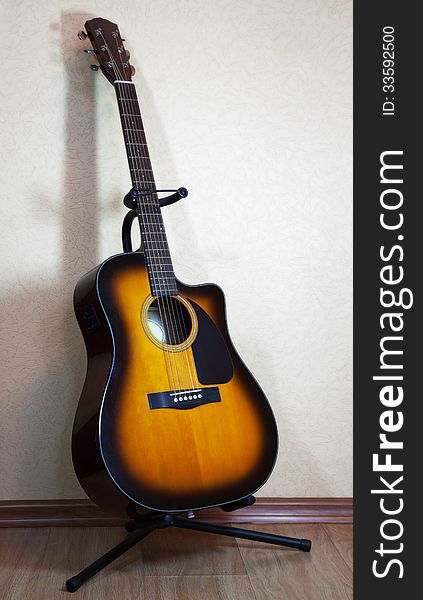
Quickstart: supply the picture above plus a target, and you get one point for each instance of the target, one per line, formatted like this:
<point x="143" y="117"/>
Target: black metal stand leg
<point x="141" y="527"/>
<point x="74" y="583"/>
<point x="247" y="534"/>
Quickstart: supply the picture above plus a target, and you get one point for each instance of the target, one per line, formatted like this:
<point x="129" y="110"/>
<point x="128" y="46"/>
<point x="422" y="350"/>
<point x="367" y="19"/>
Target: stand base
<point x="141" y="527"/>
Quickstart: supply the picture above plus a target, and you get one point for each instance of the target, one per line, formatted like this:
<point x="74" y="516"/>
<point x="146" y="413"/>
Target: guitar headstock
<point x="108" y="47"/>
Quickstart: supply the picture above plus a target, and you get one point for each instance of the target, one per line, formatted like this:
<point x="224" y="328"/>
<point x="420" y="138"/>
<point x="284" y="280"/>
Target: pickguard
<point x="211" y="355"/>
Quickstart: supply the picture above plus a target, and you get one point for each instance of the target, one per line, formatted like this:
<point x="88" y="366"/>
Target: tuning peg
<point x="94" y="67"/>
<point x="128" y="54"/>
<point x="82" y="35"/>
<point x="133" y="70"/>
<point x="90" y="51"/>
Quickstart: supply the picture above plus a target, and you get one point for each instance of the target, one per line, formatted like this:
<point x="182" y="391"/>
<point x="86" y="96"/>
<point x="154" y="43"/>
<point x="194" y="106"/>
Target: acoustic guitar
<point x="170" y="418"/>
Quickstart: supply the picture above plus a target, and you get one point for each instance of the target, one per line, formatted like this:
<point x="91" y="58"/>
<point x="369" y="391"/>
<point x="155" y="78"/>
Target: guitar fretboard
<point x="153" y="235"/>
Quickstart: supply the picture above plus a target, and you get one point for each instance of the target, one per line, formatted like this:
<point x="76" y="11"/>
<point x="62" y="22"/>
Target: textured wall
<point x="249" y="104"/>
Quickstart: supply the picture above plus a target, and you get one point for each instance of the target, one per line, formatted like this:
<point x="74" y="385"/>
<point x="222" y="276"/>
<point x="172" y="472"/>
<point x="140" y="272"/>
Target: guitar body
<point x="168" y="423"/>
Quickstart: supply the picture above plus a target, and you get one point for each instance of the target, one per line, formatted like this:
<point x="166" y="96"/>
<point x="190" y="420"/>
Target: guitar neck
<point x="153" y="234"/>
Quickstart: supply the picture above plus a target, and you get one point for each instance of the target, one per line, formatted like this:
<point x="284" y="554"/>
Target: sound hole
<point x="169" y="321"/>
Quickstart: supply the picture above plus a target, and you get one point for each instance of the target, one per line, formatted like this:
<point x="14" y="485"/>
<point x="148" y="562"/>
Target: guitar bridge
<point x="184" y="399"/>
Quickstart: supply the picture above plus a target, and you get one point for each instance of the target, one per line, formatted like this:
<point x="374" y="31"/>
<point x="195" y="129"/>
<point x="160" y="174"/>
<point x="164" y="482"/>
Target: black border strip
<point x="375" y="133"/>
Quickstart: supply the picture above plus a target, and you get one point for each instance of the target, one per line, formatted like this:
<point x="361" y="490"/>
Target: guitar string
<point x="175" y="311"/>
<point x="152" y="220"/>
<point x="180" y="325"/>
<point x="146" y="224"/>
<point x="122" y="88"/>
<point x="140" y="213"/>
<point x="180" y="320"/>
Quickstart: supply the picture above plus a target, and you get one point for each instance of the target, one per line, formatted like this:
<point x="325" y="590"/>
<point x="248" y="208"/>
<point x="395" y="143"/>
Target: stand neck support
<point x="130" y="201"/>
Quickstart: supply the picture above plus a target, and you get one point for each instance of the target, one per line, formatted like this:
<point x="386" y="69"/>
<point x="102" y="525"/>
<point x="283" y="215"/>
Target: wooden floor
<point x="174" y="564"/>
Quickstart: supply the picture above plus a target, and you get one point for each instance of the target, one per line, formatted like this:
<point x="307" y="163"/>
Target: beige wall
<point x="249" y="104"/>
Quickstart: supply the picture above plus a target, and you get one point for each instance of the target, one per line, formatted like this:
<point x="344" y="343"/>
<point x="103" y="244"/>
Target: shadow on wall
<point x="80" y="250"/>
<point x="46" y="361"/>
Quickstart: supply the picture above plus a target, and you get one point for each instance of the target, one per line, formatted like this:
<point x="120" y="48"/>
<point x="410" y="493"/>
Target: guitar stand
<point x="130" y="201"/>
<point x="141" y="526"/>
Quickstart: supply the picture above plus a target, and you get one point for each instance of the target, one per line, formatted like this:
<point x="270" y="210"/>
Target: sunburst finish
<point x="165" y="459"/>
